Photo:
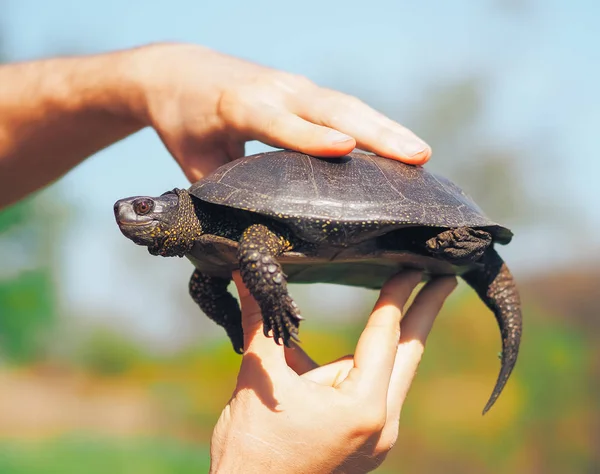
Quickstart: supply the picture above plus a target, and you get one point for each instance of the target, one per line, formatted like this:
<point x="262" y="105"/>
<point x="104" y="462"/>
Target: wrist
<point x="138" y="70"/>
<point x="119" y="88"/>
<point x="165" y="77"/>
<point x="239" y="457"/>
<point x="233" y="458"/>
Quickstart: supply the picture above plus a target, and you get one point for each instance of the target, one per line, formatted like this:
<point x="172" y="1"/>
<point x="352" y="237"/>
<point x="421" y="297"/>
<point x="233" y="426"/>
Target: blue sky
<point x="545" y="56"/>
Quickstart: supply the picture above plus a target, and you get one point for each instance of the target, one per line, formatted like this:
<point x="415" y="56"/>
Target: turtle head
<point x="168" y="225"/>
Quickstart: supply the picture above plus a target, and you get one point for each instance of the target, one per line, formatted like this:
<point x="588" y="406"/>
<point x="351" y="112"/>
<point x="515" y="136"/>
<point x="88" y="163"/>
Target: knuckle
<point x="302" y="82"/>
<point x="353" y="103"/>
<point x="272" y="125"/>
<point x="345" y="101"/>
<point x="231" y="104"/>
<point x="372" y="421"/>
<point x="289" y="86"/>
<point x="282" y="76"/>
<point x="239" y="107"/>
<point x="291" y="79"/>
<point x="386" y="443"/>
<point x="337" y="105"/>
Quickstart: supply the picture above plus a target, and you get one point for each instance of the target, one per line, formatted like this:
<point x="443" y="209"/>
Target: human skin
<point x="204" y="105"/>
<point x="289" y="415"/>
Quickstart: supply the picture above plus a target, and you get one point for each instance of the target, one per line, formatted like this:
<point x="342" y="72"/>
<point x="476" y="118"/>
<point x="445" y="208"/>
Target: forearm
<point x="55" y="113"/>
<point x="204" y="106"/>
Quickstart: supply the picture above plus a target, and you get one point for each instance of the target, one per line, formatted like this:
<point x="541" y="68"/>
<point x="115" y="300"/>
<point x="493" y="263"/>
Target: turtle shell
<point x="307" y="192"/>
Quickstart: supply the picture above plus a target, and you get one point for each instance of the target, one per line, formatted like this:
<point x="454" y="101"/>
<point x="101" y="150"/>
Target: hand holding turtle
<point x="206" y="105"/>
<point x="203" y="104"/>
<point x="289" y="415"/>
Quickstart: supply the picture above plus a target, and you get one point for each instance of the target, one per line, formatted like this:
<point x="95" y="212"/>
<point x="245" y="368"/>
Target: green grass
<point x="95" y="455"/>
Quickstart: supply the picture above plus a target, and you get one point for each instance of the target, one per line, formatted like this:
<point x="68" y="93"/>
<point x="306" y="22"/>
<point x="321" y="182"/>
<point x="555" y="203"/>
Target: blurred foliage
<point x="94" y="455"/>
<point x="15" y="215"/>
<point x="452" y="117"/>
<point x="549" y="395"/>
<point x="107" y="351"/>
<point x="545" y="421"/>
<point x="27" y="290"/>
<point x="27" y="309"/>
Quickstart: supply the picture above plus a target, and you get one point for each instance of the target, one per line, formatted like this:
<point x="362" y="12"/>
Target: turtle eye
<point x="143" y="206"/>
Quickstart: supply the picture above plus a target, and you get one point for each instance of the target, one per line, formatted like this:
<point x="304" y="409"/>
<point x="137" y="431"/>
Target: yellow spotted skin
<point x="263" y="276"/>
<point x="179" y="238"/>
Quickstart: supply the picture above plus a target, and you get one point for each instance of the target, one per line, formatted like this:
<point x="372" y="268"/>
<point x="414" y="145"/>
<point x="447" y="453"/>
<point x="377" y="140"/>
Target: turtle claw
<point x="264" y="277"/>
<point x="282" y="321"/>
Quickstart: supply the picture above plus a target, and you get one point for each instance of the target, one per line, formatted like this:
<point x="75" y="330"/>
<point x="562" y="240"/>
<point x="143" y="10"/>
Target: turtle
<point x="284" y="217"/>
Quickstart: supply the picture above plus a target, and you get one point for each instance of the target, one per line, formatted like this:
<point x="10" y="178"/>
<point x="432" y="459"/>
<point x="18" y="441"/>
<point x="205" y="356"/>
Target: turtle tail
<point x="497" y="288"/>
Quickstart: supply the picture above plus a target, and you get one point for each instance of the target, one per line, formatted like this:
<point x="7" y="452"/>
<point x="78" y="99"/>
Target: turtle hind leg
<point x="210" y="293"/>
<point x="496" y="287"/>
<point x="263" y="276"/>
<point x="459" y="246"/>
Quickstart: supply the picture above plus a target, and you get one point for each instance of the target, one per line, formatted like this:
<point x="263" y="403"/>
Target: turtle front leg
<point x="262" y="274"/>
<point x="210" y="293"/>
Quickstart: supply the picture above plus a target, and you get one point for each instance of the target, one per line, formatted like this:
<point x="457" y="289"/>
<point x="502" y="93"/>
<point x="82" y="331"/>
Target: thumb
<point x="198" y="160"/>
<point x="255" y="341"/>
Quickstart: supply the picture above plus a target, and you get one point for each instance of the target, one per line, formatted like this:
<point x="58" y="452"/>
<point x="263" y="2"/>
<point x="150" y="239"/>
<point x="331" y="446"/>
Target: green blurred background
<point x="106" y="365"/>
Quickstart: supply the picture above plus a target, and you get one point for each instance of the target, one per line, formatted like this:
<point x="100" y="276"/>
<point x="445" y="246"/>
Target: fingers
<point x="376" y="348"/>
<point x="425" y="308"/>
<point x="415" y="328"/>
<point x="298" y="360"/>
<point x="291" y="112"/>
<point x="236" y="149"/>
<point x="331" y="374"/>
<point x="372" y="130"/>
<point x="277" y="127"/>
<point x="199" y="163"/>
<point x="255" y="342"/>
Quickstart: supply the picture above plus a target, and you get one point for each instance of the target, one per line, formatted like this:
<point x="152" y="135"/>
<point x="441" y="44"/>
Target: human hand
<point x="206" y="105"/>
<point x="287" y="414"/>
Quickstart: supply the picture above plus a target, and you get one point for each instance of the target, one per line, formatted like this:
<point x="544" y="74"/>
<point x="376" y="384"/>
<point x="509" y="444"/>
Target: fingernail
<point x="411" y="147"/>
<point x="334" y="136"/>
